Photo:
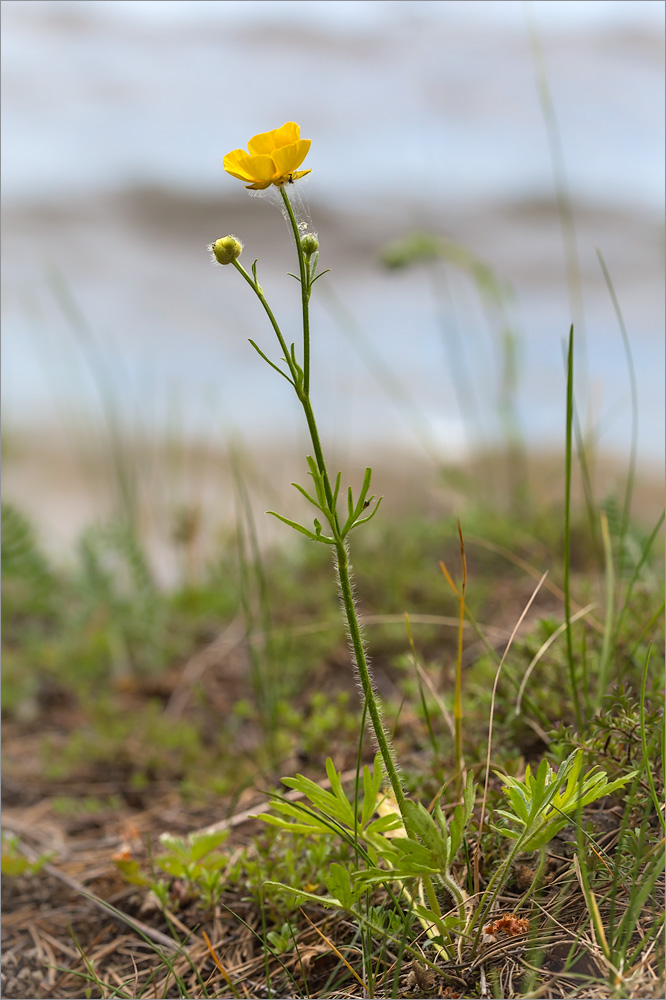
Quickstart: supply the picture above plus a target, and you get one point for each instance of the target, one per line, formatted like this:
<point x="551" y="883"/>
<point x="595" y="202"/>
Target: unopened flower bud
<point x="309" y="244"/>
<point x="227" y="249"/>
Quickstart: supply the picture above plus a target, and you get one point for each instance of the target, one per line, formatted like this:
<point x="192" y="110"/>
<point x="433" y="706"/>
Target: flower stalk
<point x="305" y="295"/>
<point x="327" y="496"/>
<point x="283" y="148"/>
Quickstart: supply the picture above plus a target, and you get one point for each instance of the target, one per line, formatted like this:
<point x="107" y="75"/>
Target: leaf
<point x="345" y="806"/>
<point x="336" y="491"/>
<point x="201" y="844"/>
<point x="421" y="823"/>
<point x="451" y="833"/>
<point x="13" y="864"/>
<point x="307" y="496"/>
<point x="269" y="362"/>
<point x="413" y="858"/>
<point x="469" y="796"/>
<point x="544" y="803"/>
<point x="318" y="481"/>
<point x="335" y="806"/>
<point x="371" y="784"/>
<point x="301" y="895"/>
<point x="350" y="506"/>
<point x="174" y="866"/>
<point x="303" y="531"/>
<point x="176" y="846"/>
<point x="460" y="819"/>
<point x="425" y="914"/>
<point x="364" y="520"/>
<point x="303" y="814"/>
<point x="384" y="824"/>
<point x="292" y="827"/>
<point x="339" y="884"/>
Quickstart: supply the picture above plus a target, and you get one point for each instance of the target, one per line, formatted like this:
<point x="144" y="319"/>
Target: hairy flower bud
<point x="309" y="244"/>
<point x="226" y="249"/>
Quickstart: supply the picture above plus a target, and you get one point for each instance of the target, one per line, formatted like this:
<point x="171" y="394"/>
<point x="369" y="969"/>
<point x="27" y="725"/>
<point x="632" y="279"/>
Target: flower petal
<point x="288" y="158"/>
<point x="232" y="164"/>
<point x="266" y="142"/>
<point x="262" y="144"/>
<point x="260" y="168"/>
<point x="287" y="134"/>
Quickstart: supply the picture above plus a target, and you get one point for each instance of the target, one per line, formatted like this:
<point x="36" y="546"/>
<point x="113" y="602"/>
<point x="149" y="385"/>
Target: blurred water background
<point x="423" y="116"/>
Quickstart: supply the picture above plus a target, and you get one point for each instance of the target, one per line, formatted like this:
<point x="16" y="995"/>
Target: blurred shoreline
<point x="65" y="487"/>
<point x="136" y="270"/>
<point x="519" y="236"/>
<point x="423" y="117"/>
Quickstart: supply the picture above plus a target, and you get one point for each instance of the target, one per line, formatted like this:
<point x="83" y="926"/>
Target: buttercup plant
<point x="273" y="158"/>
<point x="407" y="844"/>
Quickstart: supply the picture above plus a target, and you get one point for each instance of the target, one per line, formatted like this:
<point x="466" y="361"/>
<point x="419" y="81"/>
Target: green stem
<point x="301" y="383"/>
<point x="305" y="292"/>
<point x="344" y="570"/>
<point x="356" y="639"/>
<point x="301" y="392"/>
<point x="319" y="455"/>
<point x="259" y="292"/>
<point x="567" y="530"/>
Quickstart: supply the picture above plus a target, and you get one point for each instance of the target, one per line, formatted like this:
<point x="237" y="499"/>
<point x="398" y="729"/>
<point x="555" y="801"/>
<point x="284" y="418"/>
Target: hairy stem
<point x="300" y="379"/>
<point x="358" y="648"/>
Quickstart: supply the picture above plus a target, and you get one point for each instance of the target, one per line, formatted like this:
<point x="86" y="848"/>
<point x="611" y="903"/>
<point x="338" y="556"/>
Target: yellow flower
<point x="272" y="158"/>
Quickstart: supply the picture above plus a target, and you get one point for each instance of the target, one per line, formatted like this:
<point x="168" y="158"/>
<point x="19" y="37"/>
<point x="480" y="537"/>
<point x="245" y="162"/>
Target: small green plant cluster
<point x="193" y="864"/>
<point x="545" y="802"/>
<point x="193" y="870"/>
<point x="418" y="850"/>
<point x="13" y="860"/>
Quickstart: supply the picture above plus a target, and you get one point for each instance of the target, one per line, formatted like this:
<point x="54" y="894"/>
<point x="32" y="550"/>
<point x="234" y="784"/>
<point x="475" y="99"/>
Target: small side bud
<point x="227" y="249"/>
<point x="309" y="244"/>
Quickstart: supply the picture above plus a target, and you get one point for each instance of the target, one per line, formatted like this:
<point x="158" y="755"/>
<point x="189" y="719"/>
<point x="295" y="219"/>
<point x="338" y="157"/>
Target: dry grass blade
<point x="544" y="648"/>
<point x="490" y="726"/>
<point x="224" y="972"/>
<point x="531" y="571"/>
<point x="336" y="952"/>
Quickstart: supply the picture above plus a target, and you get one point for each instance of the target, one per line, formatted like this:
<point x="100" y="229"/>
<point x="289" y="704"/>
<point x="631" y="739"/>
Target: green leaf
<point x="450" y="833"/>
<point x="382" y="825"/>
<point x="336" y="491"/>
<point x="302" y="813"/>
<point x="346" y="810"/>
<point x="421" y="823"/>
<point x="318" y="481"/>
<point x="364" y="520"/>
<point x="292" y="827"/>
<point x="339" y="884"/>
<point x="331" y="804"/>
<point x="372" y="782"/>
<point x="307" y="496"/>
<point x="201" y="844"/>
<point x="303" y="531"/>
<point x="301" y="895"/>
<point x="269" y="362"/>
